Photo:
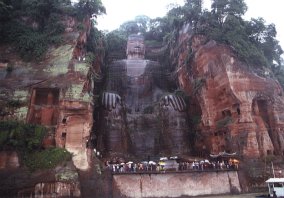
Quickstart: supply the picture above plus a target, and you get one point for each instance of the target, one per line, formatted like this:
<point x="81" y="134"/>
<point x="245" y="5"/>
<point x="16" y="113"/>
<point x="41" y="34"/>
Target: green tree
<point x="143" y="23"/>
<point x="4" y="8"/>
<point x="116" y="42"/>
<point x="254" y="41"/>
<point x="33" y="25"/>
<point x="158" y="28"/>
<point x="278" y="71"/>
<point x="175" y="17"/>
<point x="222" y="8"/>
<point x="193" y="11"/>
<point x="95" y="40"/>
<point x="129" y="27"/>
<point x="90" y="7"/>
<point x="264" y="38"/>
<point x="140" y="24"/>
<point x="40" y="10"/>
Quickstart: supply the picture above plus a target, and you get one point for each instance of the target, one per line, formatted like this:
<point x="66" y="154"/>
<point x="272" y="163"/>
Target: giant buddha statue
<point x="138" y="116"/>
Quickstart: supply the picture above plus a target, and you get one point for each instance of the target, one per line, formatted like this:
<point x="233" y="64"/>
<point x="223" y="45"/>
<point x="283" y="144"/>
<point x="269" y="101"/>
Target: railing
<point x="127" y="169"/>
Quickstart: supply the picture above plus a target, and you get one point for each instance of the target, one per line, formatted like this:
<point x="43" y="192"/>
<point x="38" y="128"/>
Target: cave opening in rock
<point x="226" y="113"/>
<point x="46" y="96"/>
<point x="238" y="111"/>
<point x="262" y="107"/>
<point x="43" y="106"/>
<point x="64" y="120"/>
<point x="63" y="135"/>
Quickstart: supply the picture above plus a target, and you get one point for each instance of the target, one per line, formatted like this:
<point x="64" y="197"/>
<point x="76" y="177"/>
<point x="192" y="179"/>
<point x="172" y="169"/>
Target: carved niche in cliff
<point x="43" y="108"/>
<point x="138" y="116"/>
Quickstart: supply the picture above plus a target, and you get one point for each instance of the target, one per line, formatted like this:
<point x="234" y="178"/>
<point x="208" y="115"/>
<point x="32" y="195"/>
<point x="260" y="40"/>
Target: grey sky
<point x="125" y="10"/>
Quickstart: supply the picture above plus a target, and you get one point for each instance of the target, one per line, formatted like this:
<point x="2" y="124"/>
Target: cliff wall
<point x="241" y="108"/>
<point x="9" y="160"/>
<point x="176" y="184"/>
<point x="56" y="92"/>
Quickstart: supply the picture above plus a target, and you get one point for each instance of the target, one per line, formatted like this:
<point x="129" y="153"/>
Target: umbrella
<point x="207" y="161"/>
<point x="163" y="158"/>
<point x="129" y="162"/>
<point x="151" y="162"/>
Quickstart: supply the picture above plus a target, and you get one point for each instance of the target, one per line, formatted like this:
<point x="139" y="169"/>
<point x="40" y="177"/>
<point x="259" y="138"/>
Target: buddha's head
<point x="135" y="47"/>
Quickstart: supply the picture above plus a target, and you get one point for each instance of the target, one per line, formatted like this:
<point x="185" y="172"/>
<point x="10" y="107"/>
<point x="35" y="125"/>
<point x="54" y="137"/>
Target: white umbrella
<point x="130" y="162"/>
<point x="152" y="162"/>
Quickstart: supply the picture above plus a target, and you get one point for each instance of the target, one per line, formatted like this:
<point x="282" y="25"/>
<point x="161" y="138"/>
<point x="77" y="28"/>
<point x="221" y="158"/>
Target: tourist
<point x="274" y="194"/>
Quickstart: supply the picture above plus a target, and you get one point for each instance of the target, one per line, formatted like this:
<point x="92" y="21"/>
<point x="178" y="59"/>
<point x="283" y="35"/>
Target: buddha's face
<point x="136" y="46"/>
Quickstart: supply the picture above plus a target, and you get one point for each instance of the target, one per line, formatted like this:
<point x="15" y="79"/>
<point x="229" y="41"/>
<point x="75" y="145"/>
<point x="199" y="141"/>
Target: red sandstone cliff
<point x="56" y="92"/>
<point x="241" y="109"/>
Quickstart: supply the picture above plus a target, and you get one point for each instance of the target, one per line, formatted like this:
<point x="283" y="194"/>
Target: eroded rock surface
<point x="56" y="92"/>
<point x="241" y="109"/>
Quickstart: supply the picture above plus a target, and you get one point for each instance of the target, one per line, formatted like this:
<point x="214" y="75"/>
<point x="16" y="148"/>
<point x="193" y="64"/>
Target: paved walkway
<point x="171" y="171"/>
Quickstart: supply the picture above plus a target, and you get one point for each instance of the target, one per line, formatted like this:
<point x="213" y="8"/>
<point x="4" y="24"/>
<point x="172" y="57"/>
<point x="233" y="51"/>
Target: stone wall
<point x="176" y="184"/>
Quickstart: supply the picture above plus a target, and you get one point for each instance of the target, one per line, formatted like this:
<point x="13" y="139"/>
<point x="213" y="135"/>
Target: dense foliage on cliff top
<point x="254" y="41"/>
<point x="27" y="140"/>
<point x="32" y="25"/>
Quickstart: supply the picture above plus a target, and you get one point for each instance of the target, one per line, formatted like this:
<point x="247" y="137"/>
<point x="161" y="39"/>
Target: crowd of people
<point x="172" y="165"/>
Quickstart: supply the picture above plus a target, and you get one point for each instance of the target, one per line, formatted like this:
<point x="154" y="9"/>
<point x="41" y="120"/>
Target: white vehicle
<point x="277" y="185"/>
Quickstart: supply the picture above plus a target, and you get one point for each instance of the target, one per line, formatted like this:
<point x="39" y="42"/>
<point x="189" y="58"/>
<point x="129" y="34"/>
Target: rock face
<point x="55" y="189"/>
<point x="137" y="116"/>
<point x="65" y="184"/>
<point x="9" y="160"/>
<point x="56" y="93"/>
<point x="241" y="109"/>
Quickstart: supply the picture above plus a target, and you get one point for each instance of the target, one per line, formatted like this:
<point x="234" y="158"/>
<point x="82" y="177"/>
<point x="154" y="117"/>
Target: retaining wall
<point x="175" y="184"/>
